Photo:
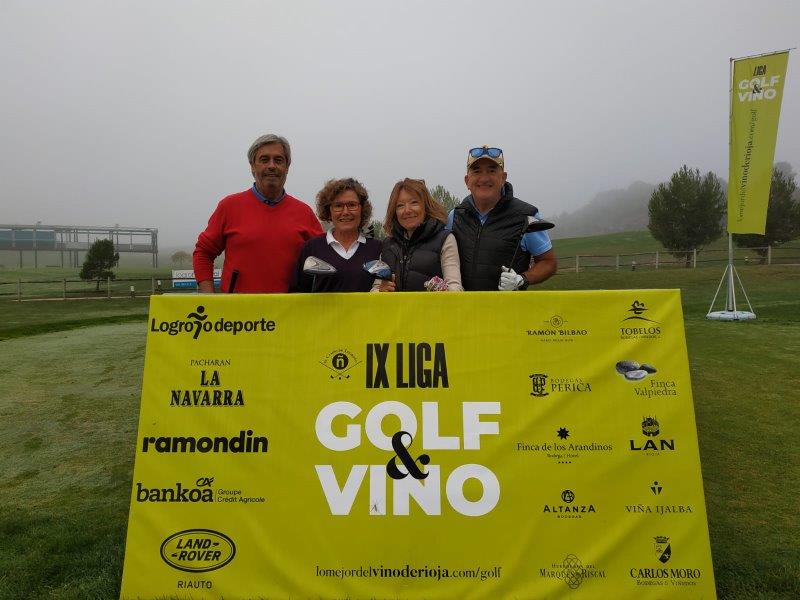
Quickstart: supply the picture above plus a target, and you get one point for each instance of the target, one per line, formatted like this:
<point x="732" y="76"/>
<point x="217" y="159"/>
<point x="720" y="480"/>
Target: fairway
<point x="70" y="382"/>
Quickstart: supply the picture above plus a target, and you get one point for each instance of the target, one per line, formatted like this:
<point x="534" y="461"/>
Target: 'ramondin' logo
<point x="197" y="321"/>
<point x="198" y="550"/>
<point x="244" y="442"/>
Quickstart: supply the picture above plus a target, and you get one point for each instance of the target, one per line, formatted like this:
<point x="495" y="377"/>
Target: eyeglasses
<point x="340" y="206"/>
<point x="484" y="151"/>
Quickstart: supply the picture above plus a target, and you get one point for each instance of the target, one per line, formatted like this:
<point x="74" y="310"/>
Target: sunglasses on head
<point x="484" y="151"/>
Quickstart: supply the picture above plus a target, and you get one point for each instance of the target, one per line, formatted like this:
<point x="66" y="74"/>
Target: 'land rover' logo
<point x="198" y="550"/>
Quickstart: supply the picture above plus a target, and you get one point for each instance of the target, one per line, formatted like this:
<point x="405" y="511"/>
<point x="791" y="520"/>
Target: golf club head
<point x="378" y="269"/>
<point x="537" y="224"/>
<point x="317" y="266"/>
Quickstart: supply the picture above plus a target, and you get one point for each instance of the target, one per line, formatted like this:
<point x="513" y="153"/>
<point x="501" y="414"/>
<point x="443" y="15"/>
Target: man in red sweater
<point x="260" y="230"/>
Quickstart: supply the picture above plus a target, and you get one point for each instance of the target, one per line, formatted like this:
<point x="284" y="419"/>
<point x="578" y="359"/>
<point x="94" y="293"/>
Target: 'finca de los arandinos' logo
<point x="197" y="322"/>
<point x="198" y="550"/>
<point x="339" y="362"/>
<point x="572" y="572"/>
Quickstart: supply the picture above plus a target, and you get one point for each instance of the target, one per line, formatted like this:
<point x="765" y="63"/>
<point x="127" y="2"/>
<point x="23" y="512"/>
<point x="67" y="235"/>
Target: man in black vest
<point x="488" y="225"/>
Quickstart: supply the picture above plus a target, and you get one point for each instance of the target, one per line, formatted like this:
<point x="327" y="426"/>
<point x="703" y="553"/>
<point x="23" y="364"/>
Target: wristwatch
<point x="525" y="282"/>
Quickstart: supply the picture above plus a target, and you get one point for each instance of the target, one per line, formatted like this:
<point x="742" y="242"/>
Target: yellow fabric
<point x="755" y="109"/>
<point x="509" y="508"/>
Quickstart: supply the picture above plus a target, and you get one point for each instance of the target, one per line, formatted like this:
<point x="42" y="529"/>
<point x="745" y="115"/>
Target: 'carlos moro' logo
<point x="198" y="550"/>
<point x="197" y="322"/>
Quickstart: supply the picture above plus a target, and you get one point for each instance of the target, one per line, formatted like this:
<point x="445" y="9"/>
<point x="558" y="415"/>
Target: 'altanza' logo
<point x="197" y="321"/>
<point x="198" y="550"/>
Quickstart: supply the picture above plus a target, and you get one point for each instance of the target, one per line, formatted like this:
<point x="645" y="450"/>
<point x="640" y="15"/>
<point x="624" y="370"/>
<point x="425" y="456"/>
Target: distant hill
<point x="612" y="211"/>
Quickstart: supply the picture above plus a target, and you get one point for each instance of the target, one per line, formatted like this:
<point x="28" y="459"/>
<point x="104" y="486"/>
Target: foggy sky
<point x="141" y="113"/>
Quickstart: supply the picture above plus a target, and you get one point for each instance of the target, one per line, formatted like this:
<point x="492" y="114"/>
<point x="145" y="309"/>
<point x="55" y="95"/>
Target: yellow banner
<point x="755" y="108"/>
<point x="418" y="445"/>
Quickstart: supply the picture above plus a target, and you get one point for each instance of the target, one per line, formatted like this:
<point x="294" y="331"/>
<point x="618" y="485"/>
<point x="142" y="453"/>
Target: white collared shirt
<point x="340" y="250"/>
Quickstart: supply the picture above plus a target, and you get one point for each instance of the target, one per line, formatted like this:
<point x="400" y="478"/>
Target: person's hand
<point x="510" y="280"/>
<point x="387" y="286"/>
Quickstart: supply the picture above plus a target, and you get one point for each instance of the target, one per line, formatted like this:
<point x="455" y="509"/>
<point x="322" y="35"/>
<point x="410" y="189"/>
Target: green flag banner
<point x="755" y="108"/>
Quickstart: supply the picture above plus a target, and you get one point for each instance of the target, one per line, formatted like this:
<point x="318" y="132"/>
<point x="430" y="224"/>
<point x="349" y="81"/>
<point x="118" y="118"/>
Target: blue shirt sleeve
<point x="537" y="242"/>
<point x="449" y="225"/>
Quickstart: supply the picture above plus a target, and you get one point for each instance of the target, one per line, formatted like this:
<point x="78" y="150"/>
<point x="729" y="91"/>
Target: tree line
<point x="689" y="212"/>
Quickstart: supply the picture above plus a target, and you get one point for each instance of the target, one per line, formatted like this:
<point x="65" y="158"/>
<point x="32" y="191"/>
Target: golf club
<point x="234" y="279"/>
<point x="531" y="224"/>
<point x="316" y="266"/>
<point x="378" y="269"/>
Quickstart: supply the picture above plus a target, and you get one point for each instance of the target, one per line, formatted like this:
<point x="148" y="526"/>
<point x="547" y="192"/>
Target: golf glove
<point x="510" y="280"/>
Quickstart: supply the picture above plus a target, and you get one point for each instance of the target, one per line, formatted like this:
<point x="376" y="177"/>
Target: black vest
<point x="483" y="249"/>
<point x="416" y="259"/>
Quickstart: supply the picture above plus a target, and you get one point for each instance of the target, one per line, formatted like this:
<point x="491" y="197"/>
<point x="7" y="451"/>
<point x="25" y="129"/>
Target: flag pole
<point x="730" y="313"/>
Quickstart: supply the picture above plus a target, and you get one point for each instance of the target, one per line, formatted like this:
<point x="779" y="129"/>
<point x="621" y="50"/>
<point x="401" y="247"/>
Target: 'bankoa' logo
<point x="197" y="322"/>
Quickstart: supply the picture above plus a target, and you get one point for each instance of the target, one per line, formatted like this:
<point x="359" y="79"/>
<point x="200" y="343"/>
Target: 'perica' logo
<point x="198" y="550"/>
<point x="197" y="322"/>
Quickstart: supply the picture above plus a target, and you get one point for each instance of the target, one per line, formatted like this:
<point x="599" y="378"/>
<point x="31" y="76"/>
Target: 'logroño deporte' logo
<point x="197" y="322"/>
<point x="198" y="550"/>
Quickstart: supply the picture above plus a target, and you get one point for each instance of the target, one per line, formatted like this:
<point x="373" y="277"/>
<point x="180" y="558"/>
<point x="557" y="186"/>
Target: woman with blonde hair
<point x="418" y="248"/>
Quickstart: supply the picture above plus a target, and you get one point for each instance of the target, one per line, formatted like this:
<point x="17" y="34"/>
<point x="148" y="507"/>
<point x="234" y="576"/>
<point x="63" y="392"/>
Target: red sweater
<point x="261" y="241"/>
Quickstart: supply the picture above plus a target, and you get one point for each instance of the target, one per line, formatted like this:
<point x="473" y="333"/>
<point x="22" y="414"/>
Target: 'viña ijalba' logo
<point x="197" y="322"/>
<point x="667" y="507"/>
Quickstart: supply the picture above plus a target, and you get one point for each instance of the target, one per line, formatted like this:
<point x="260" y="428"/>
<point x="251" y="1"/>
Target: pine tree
<point x="99" y="261"/>
<point x="687" y="212"/>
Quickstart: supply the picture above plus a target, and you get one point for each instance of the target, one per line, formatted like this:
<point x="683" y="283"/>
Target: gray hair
<point x="269" y="138"/>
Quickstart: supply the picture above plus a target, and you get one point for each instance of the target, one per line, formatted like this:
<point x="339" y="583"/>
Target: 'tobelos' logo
<point x="198" y="550"/>
<point x="638" y="326"/>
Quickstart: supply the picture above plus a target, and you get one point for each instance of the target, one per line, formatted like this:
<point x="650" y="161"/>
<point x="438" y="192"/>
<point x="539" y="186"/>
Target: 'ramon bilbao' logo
<point x="339" y="362"/>
<point x="555" y="329"/>
<point x="198" y="550"/>
<point x="197" y="322"/>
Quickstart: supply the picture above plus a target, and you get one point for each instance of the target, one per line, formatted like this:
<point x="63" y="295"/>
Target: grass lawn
<point x="69" y="402"/>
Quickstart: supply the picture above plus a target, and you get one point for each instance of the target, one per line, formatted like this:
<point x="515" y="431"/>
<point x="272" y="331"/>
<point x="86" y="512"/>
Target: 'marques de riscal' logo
<point x="197" y="322"/>
<point x="198" y="550"/>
